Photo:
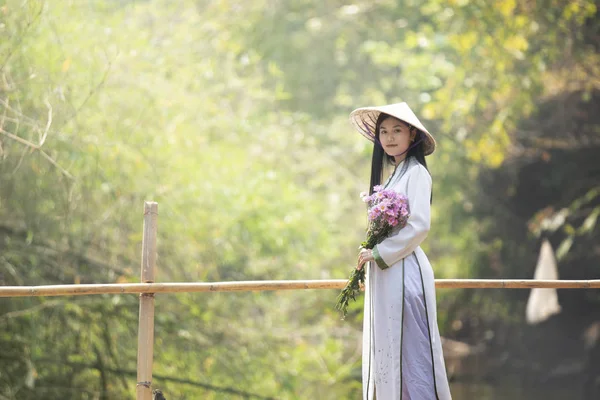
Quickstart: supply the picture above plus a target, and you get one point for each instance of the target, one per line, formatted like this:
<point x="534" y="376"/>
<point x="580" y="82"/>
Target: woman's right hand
<point x="364" y="256"/>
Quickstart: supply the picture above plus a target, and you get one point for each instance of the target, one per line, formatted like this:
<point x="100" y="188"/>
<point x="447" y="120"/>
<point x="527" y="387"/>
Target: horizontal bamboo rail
<point x="258" y="286"/>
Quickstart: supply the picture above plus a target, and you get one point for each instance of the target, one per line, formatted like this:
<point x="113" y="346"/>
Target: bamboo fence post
<point x="146" y="322"/>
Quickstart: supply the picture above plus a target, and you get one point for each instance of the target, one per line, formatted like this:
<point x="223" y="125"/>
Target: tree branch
<point x="19" y="313"/>
<point x="120" y="371"/>
<point x="23" y="35"/>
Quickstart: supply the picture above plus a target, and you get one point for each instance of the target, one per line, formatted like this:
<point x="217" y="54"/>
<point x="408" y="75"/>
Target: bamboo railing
<point x="260" y="286"/>
<point x="147" y="289"/>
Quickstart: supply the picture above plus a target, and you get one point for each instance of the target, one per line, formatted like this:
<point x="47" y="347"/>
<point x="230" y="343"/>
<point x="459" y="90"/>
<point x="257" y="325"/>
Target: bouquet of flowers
<point x="387" y="210"/>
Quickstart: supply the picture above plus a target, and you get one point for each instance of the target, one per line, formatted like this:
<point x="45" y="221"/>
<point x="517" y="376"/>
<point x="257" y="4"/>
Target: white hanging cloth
<point x="543" y="302"/>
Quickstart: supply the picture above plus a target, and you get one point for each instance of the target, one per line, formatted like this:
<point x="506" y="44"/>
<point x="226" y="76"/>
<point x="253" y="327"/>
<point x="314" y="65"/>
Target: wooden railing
<point x="261" y="286"/>
<point x="148" y="288"/>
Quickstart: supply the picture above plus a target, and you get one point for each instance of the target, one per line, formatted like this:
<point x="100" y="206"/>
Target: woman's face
<point x="395" y="136"/>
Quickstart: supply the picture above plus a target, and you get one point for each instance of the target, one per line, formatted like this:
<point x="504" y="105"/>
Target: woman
<point x="402" y="351"/>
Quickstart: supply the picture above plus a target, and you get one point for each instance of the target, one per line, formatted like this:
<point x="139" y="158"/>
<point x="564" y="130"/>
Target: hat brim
<point x="364" y="120"/>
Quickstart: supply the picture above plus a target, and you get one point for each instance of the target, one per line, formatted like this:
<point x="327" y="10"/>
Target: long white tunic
<point x="402" y="351"/>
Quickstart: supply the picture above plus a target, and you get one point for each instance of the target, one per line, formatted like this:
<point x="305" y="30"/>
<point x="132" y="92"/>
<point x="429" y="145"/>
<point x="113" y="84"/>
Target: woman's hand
<point x="364" y="256"/>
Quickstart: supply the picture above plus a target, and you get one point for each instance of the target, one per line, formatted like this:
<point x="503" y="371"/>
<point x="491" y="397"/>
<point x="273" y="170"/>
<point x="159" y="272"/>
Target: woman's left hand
<point x="364" y="256"/>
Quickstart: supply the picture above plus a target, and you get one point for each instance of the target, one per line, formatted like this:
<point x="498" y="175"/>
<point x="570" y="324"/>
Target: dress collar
<point x="399" y="165"/>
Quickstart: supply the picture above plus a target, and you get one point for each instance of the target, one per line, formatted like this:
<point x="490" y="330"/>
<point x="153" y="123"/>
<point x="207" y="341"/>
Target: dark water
<point x="506" y="391"/>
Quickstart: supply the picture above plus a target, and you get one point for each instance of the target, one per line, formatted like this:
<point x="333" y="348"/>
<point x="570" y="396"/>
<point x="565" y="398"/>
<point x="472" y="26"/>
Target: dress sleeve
<point x="396" y="247"/>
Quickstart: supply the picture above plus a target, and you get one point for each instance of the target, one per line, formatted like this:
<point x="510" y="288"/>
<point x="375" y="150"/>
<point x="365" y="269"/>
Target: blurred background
<point x="233" y="116"/>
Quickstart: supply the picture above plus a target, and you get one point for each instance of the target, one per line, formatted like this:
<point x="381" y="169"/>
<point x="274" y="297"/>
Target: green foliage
<point x="233" y="117"/>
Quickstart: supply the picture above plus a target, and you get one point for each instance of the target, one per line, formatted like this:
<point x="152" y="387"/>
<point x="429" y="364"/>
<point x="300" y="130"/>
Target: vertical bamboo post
<point x="146" y="323"/>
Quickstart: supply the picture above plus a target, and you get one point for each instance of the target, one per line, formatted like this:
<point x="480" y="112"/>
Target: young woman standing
<point x="402" y="351"/>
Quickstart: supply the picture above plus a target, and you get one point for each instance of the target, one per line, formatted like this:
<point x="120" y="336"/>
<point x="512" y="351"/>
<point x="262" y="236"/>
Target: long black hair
<point x="379" y="155"/>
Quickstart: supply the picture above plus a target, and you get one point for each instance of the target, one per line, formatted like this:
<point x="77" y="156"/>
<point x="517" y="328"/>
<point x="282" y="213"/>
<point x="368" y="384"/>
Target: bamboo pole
<point x="146" y="324"/>
<point x="258" y="286"/>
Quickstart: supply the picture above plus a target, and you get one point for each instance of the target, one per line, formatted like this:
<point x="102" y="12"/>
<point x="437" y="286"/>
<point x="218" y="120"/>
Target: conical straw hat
<point x="365" y="118"/>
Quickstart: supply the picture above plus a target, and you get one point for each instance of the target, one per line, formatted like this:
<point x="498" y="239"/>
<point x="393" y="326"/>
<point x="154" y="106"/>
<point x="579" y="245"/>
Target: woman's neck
<point x="399" y="159"/>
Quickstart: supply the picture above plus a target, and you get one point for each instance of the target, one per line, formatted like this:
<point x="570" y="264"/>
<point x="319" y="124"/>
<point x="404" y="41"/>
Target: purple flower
<point x="387" y="209"/>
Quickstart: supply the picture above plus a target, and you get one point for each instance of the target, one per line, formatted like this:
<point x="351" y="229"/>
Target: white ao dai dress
<point x="402" y="351"/>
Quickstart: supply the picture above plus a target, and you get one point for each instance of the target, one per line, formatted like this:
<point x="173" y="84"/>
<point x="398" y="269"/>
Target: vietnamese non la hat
<point x="365" y="118"/>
